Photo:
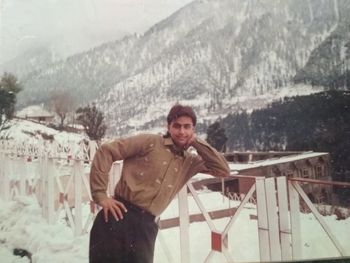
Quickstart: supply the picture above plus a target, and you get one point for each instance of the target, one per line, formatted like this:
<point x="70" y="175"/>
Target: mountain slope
<point x="211" y="54"/>
<point x="329" y="65"/>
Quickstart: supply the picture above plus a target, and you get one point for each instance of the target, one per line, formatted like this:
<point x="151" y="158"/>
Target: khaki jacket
<point x="153" y="172"/>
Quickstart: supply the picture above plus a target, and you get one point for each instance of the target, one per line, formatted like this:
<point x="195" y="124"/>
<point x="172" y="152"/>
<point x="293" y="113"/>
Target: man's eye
<point x="185" y="126"/>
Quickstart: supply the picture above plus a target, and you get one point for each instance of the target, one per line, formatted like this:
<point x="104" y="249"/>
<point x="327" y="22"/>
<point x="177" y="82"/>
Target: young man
<point x="155" y="168"/>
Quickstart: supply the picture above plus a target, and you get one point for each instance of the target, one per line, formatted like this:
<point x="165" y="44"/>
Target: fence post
<point x="48" y="190"/>
<point x="43" y="175"/>
<point x="284" y="218"/>
<point x="92" y="149"/>
<point x="22" y="175"/>
<point x="78" y="172"/>
<point x="4" y="173"/>
<point x="264" y="244"/>
<point x="295" y="222"/>
<point x="274" y="237"/>
<point x="184" y="225"/>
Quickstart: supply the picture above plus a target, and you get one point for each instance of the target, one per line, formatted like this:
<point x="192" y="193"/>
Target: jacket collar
<point x="169" y="142"/>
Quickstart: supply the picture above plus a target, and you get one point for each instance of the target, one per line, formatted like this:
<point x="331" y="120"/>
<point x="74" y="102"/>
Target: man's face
<point x="181" y="130"/>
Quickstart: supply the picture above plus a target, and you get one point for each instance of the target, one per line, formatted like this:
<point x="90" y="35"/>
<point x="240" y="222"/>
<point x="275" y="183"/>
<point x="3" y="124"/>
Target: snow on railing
<point x="56" y="175"/>
<point x="84" y="150"/>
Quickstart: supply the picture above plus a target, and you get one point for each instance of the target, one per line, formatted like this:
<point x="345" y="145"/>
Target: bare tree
<point x="63" y="104"/>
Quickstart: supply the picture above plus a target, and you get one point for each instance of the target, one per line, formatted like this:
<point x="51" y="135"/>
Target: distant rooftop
<point x="276" y="160"/>
<point x="34" y="111"/>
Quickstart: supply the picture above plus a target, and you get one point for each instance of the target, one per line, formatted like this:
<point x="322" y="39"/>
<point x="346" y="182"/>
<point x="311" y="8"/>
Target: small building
<point x="312" y="165"/>
<point x="35" y="113"/>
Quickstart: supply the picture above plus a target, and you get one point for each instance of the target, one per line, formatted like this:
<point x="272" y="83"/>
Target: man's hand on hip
<point x="113" y="206"/>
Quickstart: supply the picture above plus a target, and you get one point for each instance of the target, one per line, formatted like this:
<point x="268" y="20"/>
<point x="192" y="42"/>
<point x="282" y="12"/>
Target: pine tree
<point x="216" y="137"/>
<point x="9" y="87"/>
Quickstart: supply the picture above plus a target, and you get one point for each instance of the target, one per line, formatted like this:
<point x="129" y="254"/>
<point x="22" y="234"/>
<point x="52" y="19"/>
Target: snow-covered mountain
<point x="213" y="54"/>
<point x="30" y="62"/>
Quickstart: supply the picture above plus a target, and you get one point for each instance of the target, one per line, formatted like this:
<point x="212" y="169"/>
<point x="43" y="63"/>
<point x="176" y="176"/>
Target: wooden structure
<point x="35" y="113"/>
<point x="309" y="165"/>
<point x="278" y="219"/>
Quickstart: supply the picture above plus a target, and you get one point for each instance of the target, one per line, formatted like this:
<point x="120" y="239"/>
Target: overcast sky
<point x="68" y="25"/>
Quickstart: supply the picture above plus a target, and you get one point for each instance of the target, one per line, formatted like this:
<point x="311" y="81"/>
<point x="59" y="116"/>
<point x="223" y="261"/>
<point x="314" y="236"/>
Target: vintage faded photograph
<point x="173" y="131"/>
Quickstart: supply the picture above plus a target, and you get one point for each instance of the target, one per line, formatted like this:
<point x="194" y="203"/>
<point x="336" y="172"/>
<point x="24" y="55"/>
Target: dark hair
<point x="179" y="110"/>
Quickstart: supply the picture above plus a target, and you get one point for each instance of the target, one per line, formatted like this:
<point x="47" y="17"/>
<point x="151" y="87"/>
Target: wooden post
<point x="284" y="218"/>
<point x="5" y="183"/>
<point x="295" y="222"/>
<point x="92" y="149"/>
<point x="78" y="220"/>
<point x="47" y="188"/>
<point x="43" y="192"/>
<point x="22" y="172"/>
<point x="50" y="173"/>
<point x="272" y="216"/>
<point x="2" y="161"/>
<point x="263" y="231"/>
<point x="184" y="225"/>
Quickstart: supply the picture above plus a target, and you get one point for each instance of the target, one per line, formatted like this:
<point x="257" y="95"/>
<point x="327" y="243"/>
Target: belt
<point x="130" y="206"/>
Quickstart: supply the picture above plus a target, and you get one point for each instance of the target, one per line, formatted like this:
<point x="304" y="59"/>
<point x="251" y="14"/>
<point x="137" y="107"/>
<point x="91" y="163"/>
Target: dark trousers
<point x="130" y="240"/>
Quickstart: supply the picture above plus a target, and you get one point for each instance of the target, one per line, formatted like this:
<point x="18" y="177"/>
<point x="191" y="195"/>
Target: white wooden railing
<point x="278" y="216"/>
<point x="58" y="177"/>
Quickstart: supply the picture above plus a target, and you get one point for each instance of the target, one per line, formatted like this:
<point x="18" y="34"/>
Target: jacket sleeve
<point x="106" y="155"/>
<point x="209" y="160"/>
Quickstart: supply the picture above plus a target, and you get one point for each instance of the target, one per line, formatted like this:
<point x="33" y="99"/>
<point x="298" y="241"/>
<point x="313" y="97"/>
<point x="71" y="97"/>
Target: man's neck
<point x="178" y="150"/>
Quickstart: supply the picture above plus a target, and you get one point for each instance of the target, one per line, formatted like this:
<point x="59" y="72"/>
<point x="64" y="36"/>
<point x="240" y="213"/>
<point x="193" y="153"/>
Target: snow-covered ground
<point x="30" y="132"/>
<point x="22" y="226"/>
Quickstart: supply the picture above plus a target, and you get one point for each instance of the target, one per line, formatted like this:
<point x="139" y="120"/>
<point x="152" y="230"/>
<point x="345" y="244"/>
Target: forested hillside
<point x="319" y="122"/>
<point x="329" y="64"/>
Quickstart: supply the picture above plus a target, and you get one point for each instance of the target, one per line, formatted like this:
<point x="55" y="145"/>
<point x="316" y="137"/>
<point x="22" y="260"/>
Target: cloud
<point x="28" y="23"/>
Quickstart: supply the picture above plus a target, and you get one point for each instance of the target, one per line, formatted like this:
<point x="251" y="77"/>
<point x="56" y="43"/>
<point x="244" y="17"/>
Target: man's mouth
<point x="182" y="139"/>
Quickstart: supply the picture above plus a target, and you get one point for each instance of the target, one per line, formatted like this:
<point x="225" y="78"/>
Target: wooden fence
<point x="56" y="175"/>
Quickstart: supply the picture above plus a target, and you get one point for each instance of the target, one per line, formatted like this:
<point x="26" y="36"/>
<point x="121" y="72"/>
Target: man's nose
<point x="182" y="129"/>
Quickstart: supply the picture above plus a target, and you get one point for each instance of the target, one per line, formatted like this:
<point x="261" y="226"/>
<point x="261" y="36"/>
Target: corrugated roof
<point x="268" y="162"/>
